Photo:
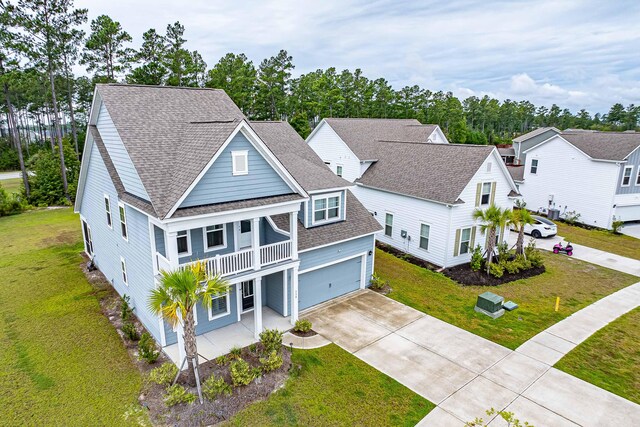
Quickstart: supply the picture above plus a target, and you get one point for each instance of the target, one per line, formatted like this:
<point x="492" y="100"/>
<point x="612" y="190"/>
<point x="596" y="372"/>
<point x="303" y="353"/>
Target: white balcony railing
<point x="238" y="262"/>
<point x="162" y="263"/>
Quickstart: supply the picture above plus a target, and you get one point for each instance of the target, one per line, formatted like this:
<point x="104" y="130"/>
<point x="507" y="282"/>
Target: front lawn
<point x="336" y="388"/>
<point x="610" y="358"/>
<point x="13" y="185"/>
<point x="61" y="361"/>
<point x="601" y="239"/>
<point x="577" y="283"/>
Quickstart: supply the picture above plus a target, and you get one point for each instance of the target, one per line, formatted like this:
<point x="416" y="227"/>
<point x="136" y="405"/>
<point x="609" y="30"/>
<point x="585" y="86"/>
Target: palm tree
<point x="519" y="219"/>
<point x="175" y="299"/>
<point x="492" y="219"/>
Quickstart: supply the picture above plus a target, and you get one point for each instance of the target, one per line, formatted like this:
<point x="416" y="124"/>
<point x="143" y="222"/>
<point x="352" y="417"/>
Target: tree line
<point x="45" y="106"/>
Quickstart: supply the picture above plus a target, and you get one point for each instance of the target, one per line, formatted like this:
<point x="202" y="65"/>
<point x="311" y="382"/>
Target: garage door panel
<point x="628" y="213"/>
<point x="329" y="282"/>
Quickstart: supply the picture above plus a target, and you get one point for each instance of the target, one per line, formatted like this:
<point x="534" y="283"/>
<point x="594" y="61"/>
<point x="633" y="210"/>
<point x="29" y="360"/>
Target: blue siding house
<point x="172" y="176"/>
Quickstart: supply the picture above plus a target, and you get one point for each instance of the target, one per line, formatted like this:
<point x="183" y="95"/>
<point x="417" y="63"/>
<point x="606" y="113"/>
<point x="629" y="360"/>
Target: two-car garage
<point x="323" y="283"/>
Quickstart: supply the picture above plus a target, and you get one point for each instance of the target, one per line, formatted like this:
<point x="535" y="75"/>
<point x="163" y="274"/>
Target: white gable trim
<point x="276" y="228"/>
<point x="324" y="122"/>
<point x="84" y="170"/>
<point x="255" y="140"/>
<point x="440" y="134"/>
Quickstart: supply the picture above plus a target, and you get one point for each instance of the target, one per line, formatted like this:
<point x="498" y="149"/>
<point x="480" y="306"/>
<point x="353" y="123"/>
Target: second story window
<point x="339" y="170"/>
<point x="215" y="237"/>
<point x="240" y="162"/>
<point x="326" y="208"/>
<point x="534" y="166"/>
<point x="388" y="225"/>
<point x="123" y="221"/>
<point x="184" y="243"/>
<point x="107" y="208"/>
<point x="626" y="176"/>
<point x="485" y="197"/>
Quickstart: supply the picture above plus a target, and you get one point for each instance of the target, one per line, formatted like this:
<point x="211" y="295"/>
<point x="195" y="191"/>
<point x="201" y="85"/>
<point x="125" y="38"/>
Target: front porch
<point x="241" y="334"/>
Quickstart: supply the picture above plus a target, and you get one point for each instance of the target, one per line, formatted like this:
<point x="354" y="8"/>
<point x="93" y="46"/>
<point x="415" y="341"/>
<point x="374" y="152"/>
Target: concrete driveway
<point x="465" y="374"/>
<point x="631" y="229"/>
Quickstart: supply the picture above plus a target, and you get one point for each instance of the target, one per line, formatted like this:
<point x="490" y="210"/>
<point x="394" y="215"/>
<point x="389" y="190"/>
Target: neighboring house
<point x="524" y="142"/>
<point x="171" y="176"/>
<point x="423" y="193"/>
<point x="508" y="154"/>
<point x="595" y="174"/>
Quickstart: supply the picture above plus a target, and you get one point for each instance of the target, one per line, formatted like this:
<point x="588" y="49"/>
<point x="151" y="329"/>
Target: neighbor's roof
<point x="361" y="135"/>
<point x="506" y="151"/>
<point x="604" y="145"/>
<point x="358" y="223"/>
<point x="437" y="172"/>
<point x="535" y="132"/>
<point x="297" y="157"/>
<point x="165" y="128"/>
<point x="517" y="173"/>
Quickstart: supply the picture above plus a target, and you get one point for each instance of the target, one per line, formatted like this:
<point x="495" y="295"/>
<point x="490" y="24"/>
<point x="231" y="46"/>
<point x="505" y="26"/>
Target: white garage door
<point x="628" y="213"/>
<point x="329" y="282"/>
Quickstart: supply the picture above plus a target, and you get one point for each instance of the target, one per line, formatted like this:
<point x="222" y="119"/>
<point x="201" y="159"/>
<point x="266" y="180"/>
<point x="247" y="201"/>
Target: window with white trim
<point x="425" y="229"/>
<point x="184" y="243"/>
<point x="240" y="162"/>
<point x="388" y="225"/>
<point x="219" y="306"/>
<point x="339" y="170"/>
<point x="326" y="208"/>
<point x="626" y="176"/>
<point x="123" y="221"/>
<point x="215" y="237"/>
<point x="638" y="177"/>
<point x="534" y="166"/>
<point x="123" y="267"/>
<point x="465" y="241"/>
<point x="107" y="208"/>
<point x="485" y="195"/>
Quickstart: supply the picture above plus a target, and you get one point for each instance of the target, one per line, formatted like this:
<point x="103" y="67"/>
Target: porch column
<point x="172" y="248"/>
<point x="257" y="307"/>
<point x="293" y="233"/>
<point x="255" y="242"/>
<point x="294" y="295"/>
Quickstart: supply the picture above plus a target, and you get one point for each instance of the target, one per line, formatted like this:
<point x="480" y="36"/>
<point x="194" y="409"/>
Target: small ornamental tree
<point x="491" y="220"/>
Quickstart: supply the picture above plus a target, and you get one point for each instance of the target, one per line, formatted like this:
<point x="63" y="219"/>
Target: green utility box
<point x="490" y="304"/>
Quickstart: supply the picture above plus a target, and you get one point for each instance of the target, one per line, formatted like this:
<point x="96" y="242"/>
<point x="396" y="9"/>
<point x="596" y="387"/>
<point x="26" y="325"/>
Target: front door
<point x="244" y="240"/>
<point x="247" y="296"/>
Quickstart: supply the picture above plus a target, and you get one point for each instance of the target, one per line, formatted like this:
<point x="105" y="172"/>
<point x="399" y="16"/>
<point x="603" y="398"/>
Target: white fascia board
<point x="84" y="169"/>
<point x="328" y="190"/>
<point x="339" y="241"/>
<point x="313" y="132"/>
<point x="337" y="136"/>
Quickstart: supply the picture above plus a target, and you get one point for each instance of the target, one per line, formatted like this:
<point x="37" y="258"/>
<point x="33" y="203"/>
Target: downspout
<point x="446" y="248"/>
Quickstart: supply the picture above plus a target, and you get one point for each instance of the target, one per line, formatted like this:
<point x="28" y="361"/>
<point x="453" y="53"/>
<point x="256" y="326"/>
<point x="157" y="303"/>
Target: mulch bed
<point x="309" y="333"/>
<point x="405" y="256"/>
<point x="151" y="396"/>
<point x="464" y="275"/>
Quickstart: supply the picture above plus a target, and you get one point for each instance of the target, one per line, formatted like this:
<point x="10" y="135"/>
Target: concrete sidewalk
<point x="585" y="253"/>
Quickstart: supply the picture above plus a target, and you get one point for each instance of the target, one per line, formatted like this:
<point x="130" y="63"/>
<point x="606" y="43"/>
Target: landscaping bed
<point x="464" y="275"/>
<point x="405" y="256"/>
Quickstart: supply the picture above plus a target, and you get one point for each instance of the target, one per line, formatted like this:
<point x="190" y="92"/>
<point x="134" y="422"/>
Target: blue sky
<point x="578" y="54"/>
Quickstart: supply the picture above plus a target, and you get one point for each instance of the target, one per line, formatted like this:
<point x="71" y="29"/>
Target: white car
<point x="541" y="227"/>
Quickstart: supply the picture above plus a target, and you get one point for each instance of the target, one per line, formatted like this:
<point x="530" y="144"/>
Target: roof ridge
<point x="160" y="86"/>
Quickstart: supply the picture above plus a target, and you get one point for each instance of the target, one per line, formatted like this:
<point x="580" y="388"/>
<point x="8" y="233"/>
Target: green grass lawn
<point x="601" y="239"/>
<point x="577" y="283"/>
<point x="610" y="358"/>
<point x="335" y="388"/>
<point x="13" y="185"/>
<point x="61" y="361"/>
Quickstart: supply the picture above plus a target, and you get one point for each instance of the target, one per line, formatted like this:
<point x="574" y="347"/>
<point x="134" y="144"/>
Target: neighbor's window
<point x="626" y="176"/>
<point x="534" y="166"/>
<point x="219" y="306"/>
<point x="465" y="240"/>
<point x="638" y="177"/>
<point x="485" y="197"/>
<point x="123" y="266"/>
<point x="123" y="221"/>
<point x="339" y="170"/>
<point x="240" y="161"/>
<point x="107" y="208"/>
<point x="388" y="225"/>
<point x="424" y="236"/>
<point x="326" y="208"/>
<point x="215" y="236"/>
<point x="184" y="243"/>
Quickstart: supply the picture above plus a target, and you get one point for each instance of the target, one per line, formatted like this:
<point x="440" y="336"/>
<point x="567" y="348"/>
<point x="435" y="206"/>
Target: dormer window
<point x="326" y="208"/>
<point x="240" y="162"/>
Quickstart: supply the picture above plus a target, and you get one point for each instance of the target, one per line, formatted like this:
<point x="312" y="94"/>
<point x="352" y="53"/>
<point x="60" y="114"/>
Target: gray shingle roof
<point x="361" y="135"/>
<point x="437" y="172"/>
<point x="359" y="222"/>
<point x="166" y="128"/>
<point x="604" y="145"/>
<point x="516" y="172"/>
<point x="297" y="157"/>
<point x="506" y="151"/>
<point x="229" y="206"/>
<point x="535" y="132"/>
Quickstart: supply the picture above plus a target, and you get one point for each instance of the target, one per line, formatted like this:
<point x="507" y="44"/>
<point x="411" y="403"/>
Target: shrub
<point x="512" y="267"/>
<point x="271" y="362"/>
<point x="129" y="330"/>
<point x="476" y="258"/>
<point x="503" y="251"/>
<point x="571" y="217"/>
<point x="533" y="255"/>
<point x="302" y="325"/>
<point x="241" y="373"/>
<point x="8" y="157"/>
<point x="46" y="183"/>
<point x="616" y="226"/>
<point x="147" y="348"/>
<point x="377" y="283"/>
<point x="235" y="352"/>
<point x="214" y="387"/>
<point x="125" y="308"/>
<point x="253" y="348"/>
<point x="271" y="339"/>
<point x="164" y="374"/>
<point x="496" y="270"/>
<point x="221" y="360"/>
<point x="10" y="204"/>
<point x="177" y="394"/>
